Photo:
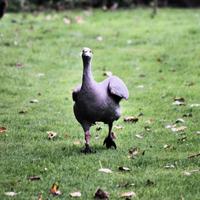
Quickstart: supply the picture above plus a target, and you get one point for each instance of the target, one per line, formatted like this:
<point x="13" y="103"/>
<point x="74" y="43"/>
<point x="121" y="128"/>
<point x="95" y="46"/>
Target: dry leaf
<point x="189" y="173"/>
<point x="107" y="73"/>
<point x="34" y="178"/>
<point x="124" y="169"/>
<point x="178" y="129"/>
<point x="187" y="115"/>
<point x="10" y="194"/>
<point x="134" y="151"/>
<point x="39" y="196"/>
<point x="100" y="194"/>
<point x="77" y="142"/>
<point x="99" y="38"/>
<point x="128" y="194"/>
<point x="2" y="129"/>
<point x="75" y="194"/>
<point x="179" y="101"/>
<point x="51" y="135"/>
<point x="139" y="136"/>
<point x="105" y="170"/>
<point x="66" y="20"/>
<point x="34" y="101"/>
<point x="54" y="190"/>
<point x="180" y="120"/>
<point x="23" y="111"/>
<point x="182" y="139"/>
<point x="118" y="127"/>
<point x="140" y="86"/>
<point x="131" y="119"/>
<point x="194" y="155"/>
<point x="169" y="166"/>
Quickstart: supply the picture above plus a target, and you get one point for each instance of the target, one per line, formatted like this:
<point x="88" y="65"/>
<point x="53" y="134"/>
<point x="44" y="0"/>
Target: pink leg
<point x="87" y="137"/>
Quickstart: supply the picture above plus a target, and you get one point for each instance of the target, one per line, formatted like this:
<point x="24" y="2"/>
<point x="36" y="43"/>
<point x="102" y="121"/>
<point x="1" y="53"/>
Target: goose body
<point x="97" y="101"/>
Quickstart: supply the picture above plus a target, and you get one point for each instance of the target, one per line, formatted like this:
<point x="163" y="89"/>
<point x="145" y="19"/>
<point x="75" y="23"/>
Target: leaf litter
<point x="75" y="194"/>
<point x="128" y="195"/>
<point x="2" y="129"/>
<point x="131" y="119"/>
<point x="51" y="135"/>
<point x="100" y="194"/>
<point x="55" y="190"/>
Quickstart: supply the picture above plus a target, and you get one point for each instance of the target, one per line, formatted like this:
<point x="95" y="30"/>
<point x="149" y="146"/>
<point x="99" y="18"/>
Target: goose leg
<point x="87" y="148"/>
<point x="109" y="140"/>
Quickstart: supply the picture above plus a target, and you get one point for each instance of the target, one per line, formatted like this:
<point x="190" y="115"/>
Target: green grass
<point x="165" y="49"/>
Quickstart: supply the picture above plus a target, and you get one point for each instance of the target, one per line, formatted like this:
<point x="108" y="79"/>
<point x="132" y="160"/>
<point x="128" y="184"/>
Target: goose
<point x="97" y="101"/>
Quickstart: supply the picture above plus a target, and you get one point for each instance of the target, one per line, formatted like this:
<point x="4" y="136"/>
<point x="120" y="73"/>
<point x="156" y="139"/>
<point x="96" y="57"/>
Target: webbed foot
<point x="109" y="142"/>
<point x="87" y="149"/>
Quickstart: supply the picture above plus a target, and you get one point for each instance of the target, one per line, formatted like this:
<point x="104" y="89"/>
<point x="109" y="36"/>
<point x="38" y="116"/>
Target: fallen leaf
<point x="100" y="194"/>
<point x="131" y="119"/>
<point x="107" y="73"/>
<point x="54" y="190"/>
<point x="187" y="115"/>
<point x="169" y="166"/>
<point x="182" y="139"/>
<point x="179" y="101"/>
<point x="77" y="142"/>
<point x="105" y="170"/>
<point x="99" y="38"/>
<point x="51" y="135"/>
<point x="125" y="185"/>
<point x="140" y="86"/>
<point x="39" y="196"/>
<point x="134" y="152"/>
<point x="118" y="127"/>
<point x="34" y="101"/>
<point x="180" y="120"/>
<point x="178" y="129"/>
<point x="197" y="132"/>
<point x="194" y="105"/>
<point x="147" y="128"/>
<point x="194" y="155"/>
<point x="10" y="194"/>
<point x="23" y="111"/>
<point x="139" y="136"/>
<point x="124" y="169"/>
<point x="66" y="20"/>
<point x="189" y="173"/>
<point x="3" y="129"/>
<point x="168" y="146"/>
<point x="149" y="182"/>
<point x="75" y="194"/>
<point x="128" y="194"/>
<point x="34" y="178"/>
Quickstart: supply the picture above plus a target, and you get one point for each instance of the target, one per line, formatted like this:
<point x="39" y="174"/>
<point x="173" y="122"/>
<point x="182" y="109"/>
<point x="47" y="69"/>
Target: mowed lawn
<point x="158" y="59"/>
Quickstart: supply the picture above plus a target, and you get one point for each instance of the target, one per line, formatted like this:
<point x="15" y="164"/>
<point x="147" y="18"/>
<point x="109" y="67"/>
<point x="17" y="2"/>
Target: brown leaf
<point x="134" y="152"/>
<point x="194" y="155"/>
<point x="182" y="139"/>
<point x="107" y="73"/>
<point x="34" y="178"/>
<point x="77" y="142"/>
<point x="51" y="135"/>
<point x="54" y="190"/>
<point x="34" y="101"/>
<point x="39" y="196"/>
<point x="23" y="111"/>
<point x="118" y="127"/>
<point x="179" y="129"/>
<point x="128" y="194"/>
<point x="75" y="194"/>
<point x="100" y="194"/>
<point x="187" y="115"/>
<point x="179" y="101"/>
<point x="131" y="119"/>
<point x="180" y="120"/>
<point x="2" y="130"/>
<point x="126" y="169"/>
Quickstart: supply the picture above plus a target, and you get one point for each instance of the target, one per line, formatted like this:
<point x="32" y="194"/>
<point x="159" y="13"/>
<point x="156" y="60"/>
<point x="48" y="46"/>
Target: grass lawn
<point x="158" y="59"/>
